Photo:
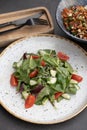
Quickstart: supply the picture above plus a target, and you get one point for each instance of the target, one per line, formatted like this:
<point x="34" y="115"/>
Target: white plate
<point x="46" y="114"/>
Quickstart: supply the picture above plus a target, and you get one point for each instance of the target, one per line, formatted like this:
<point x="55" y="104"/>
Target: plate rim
<point x="47" y="122"/>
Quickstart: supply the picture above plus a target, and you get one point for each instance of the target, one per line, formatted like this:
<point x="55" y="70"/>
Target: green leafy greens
<point x="52" y="77"/>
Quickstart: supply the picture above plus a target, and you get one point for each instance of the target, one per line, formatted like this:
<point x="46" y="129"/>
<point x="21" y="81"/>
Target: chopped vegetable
<point x="53" y="73"/>
<point x="66" y="96"/>
<point x="33" y="73"/>
<point x="33" y="82"/>
<point x="76" y="77"/>
<point x="37" y="89"/>
<point x="29" y="102"/>
<point x="44" y="76"/>
<point x="52" y="80"/>
<point x="63" y="56"/>
<point x="43" y="63"/>
<point x="35" y="56"/>
<point x="25" y="94"/>
<point x="58" y="94"/>
<point x="13" y="81"/>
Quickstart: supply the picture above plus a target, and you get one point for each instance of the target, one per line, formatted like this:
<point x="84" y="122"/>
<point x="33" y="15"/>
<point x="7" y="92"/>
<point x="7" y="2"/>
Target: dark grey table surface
<point x="7" y="121"/>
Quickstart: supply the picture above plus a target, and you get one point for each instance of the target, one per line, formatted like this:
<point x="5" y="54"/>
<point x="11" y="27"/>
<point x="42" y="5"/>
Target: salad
<point x="44" y="76"/>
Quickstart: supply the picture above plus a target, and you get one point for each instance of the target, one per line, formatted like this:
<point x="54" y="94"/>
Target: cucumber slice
<point x="25" y="94"/>
<point x="42" y="52"/>
<point x="52" y="80"/>
<point x="53" y="73"/>
<point x="66" y="96"/>
<point x="33" y="82"/>
<point x="72" y="81"/>
<point x="77" y="87"/>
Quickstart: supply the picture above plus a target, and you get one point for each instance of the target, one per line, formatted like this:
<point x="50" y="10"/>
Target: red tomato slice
<point x="29" y="102"/>
<point x="62" y="56"/>
<point x="43" y="63"/>
<point x="13" y="80"/>
<point x="35" y="56"/>
<point x="58" y="94"/>
<point x="76" y="77"/>
<point x="33" y="73"/>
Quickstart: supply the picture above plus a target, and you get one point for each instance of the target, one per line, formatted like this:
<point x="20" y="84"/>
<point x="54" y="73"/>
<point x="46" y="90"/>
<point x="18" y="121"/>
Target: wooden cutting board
<point x="27" y="30"/>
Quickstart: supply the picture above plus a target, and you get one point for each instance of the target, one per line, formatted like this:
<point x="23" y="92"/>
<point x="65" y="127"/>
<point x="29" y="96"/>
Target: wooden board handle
<point x="8" y="37"/>
<point x="25" y="31"/>
<point x="6" y="28"/>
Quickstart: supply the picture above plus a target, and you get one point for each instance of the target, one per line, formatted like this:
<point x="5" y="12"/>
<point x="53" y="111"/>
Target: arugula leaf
<point x="18" y="87"/>
<point x="44" y="92"/>
<point x="63" y="71"/>
<point x="22" y="75"/>
<point x="69" y="67"/>
<point x="25" y="64"/>
<point x="63" y="81"/>
<point x="59" y="99"/>
<point x="71" y="90"/>
<point x="58" y="87"/>
<point x="51" y="99"/>
<point x="54" y="61"/>
<point x="32" y="63"/>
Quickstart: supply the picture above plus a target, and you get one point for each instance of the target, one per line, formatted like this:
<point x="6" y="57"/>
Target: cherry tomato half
<point x="62" y="56"/>
<point x="35" y="56"/>
<point x="58" y="94"/>
<point x="43" y="63"/>
<point x="33" y="73"/>
<point x="13" y="80"/>
<point x="76" y="77"/>
<point x="29" y="102"/>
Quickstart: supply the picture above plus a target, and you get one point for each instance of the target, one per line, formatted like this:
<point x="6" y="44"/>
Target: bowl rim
<point x="63" y="29"/>
<point x="41" y="35"/>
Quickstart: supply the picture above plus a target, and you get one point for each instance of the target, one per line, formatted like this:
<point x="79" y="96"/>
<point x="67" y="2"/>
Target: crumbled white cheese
<point x="85" y="7"/>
